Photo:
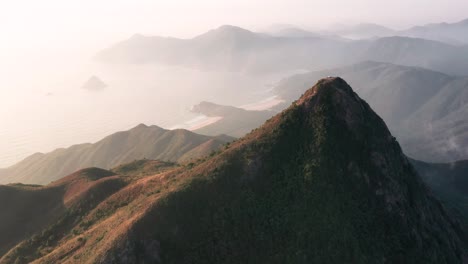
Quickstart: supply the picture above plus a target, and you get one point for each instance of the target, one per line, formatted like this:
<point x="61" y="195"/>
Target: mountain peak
<point x="325" y="85"/>
<point x="334" y="99"/>
<point x="327" y="168"/>
<point x="226" y="31"/>
<point x="463" y="22"/>
<point x="137" y="36"/>
<point x="329" y="162"/>
<point x="141" y="126"/>
<point x="231" y="28"/>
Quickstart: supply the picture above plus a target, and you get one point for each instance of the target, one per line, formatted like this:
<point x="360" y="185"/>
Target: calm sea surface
<point x="42" y="109"/>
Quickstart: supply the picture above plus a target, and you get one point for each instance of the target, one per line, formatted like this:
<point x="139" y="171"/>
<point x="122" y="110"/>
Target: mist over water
<point x="46" y="56"/>
<point x="44" y="107"/>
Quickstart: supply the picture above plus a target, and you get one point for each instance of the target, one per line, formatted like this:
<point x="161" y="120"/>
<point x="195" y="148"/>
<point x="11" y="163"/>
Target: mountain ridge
<point x="323" y="181"/>
<point x="241" y="50"/>
<point x="453" y="33"/>
<point x="118" y="148"/>
<point x="253" y="160"/>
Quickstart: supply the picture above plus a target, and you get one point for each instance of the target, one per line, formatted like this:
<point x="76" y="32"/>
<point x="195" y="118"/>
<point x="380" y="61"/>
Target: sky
<point x="50" y="34"/>
<point x="55" y="32"/>
<point x="65" y="24"/>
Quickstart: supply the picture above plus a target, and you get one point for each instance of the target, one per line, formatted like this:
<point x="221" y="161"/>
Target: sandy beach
<point x="205" y="122"/>
<point x="265" y="104"/>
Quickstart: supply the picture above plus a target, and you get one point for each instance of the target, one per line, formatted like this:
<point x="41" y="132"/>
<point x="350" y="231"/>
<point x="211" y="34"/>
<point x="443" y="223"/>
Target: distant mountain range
<point x="141" y="142"/>
<point x="225" y="48"/>
<point x="451" y="33"/>
<point x="424" y="53"/>
<point x="235" y="49"/>
<point x="362" y="31"/>
<point x="425" y="109"/>
<point x="322" y="182"/>
<point x="455" y="33"/>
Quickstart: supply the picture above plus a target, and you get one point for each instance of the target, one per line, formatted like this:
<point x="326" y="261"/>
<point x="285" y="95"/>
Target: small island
<point x="94" y="84"/>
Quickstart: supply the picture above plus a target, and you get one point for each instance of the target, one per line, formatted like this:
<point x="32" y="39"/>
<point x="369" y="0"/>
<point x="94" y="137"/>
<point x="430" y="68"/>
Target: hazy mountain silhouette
<point x="227" y="48"/>
<point x="235" y="49"/>
<point x="294" y="32"/>
<point x="454" y="33"/>
<point x="419" y="52"/>
<point x="94" y="84"/>
<point x="363" y="31"/>
<point x="291" y="31"/>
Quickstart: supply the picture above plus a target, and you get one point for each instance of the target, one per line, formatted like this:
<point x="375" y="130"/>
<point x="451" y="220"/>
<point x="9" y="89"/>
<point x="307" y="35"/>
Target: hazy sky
<point x="34" y="32"/>
<point x="31" y="23"/>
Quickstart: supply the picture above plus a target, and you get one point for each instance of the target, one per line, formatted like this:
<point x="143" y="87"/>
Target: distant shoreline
<point x="265" y="104"/>
<point x="203" y="121"/>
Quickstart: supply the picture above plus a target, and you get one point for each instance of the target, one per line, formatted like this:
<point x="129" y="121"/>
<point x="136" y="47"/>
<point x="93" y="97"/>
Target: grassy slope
<point x="42" y="215"/>
<point x="138" y="143"/>
<point x="323" y="182"/>
<point x="19" y="205"/>
<point x="306" y="187"/>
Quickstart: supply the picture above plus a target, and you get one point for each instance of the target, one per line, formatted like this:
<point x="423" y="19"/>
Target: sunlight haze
<point x="234" y="131"/>
<point x="47" y="47"/>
